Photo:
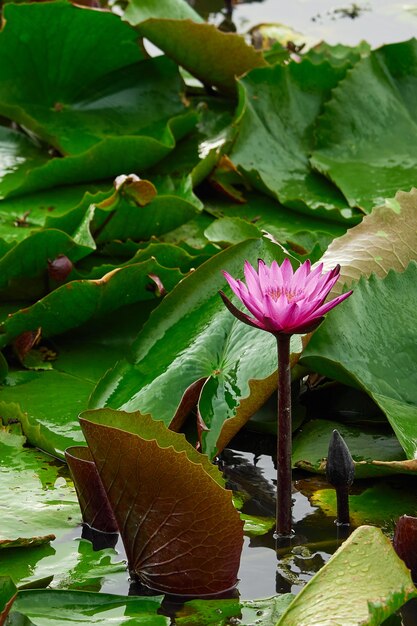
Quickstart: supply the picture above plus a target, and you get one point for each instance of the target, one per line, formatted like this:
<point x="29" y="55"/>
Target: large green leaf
<point x="76" y="302"/>
<point x="259" y="213"/>
<point x="214" y="57"/>
<point x="106" y="107"/>
<point x="194" y="351"/>
<point x="376" y="350"/>
<point x="278" y="108"/>
<point x="181" y="532"/>
<point x="367" y="135"/>
<point x="50" y="607"/>
<point x="47" y="403"/>
<point x="363" y="583"/>
<point x="66" y="564"/>
<point x="385" y="240"/>
<point x="36" y="497"/>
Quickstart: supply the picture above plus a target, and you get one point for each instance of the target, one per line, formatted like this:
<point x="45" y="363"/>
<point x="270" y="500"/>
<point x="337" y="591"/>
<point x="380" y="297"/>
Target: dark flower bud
<point x="405" y="542"/>
<point x="60" y="268"/>
<point x="340" y="468"/>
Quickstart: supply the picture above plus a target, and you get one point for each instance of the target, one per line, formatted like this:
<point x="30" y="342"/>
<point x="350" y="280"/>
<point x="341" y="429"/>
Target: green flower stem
<point x="284" y="442"/>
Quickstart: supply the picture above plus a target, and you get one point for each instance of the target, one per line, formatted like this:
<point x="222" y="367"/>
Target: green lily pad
<point x="44" y="503"/>
<point x="8" y="593"/>
<point x="361" y="141"/>
<point x="85" y="299"/>
<point x="380" y="505"/>
<point x="376" y="350"/>
<point x="384" y="240"/>
<point x="126" y="116"/>
<point x="193" y="351"/>
<point x="275" y="137"/>
<point x="361" y="585"/>
<point x="297" y="230"/>
<point x="68" y="564"/>
<point x="20" y="217"/>
<point x="49" y="607"/>
<point x="263" y="612"/>
<point x="256" y="525"/>
<point x="375" y="449"/>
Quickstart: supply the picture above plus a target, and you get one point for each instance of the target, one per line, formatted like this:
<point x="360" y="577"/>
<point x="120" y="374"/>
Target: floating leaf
<point x="261" y="213"/>
<point x="275" y="137"/>
<point x="263" y="612"/>
<point x="66" y="564"/>
<point x="159" y="488"/>
<point x="384" y="240"/>
<point x="49" y="607"/>
<point x="375" y="449"/>
<point x="376" y="350"/>
<point x="361" y="585"/>
<point x="36" y="498"/>
<point x="359" y="140"/>
<point x="380" y="505"/>
<point x="193" y="351"/>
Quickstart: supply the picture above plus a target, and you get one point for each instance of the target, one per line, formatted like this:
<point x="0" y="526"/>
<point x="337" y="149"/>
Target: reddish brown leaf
<point x="95" y="507"/>
<point x="405" y="542"/>
<point x="181" y="532"/>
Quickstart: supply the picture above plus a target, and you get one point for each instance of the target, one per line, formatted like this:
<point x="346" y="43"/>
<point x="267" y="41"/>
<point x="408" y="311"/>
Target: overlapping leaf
<point x="376" y="349"/>
<point x="278" y="108"/>
<point x="367" y="134"/>
<point x="194" y="351"/>
<point x="47" y="608"/>
<point x="106" y="107"/>
<point x="36" y="497"/>
<point x="214" y="57"/>
<point x="181" y="532"/>
<point x="384" y="240"/>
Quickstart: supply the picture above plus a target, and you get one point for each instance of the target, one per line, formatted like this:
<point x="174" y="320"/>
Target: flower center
<point x="291" y="295"/>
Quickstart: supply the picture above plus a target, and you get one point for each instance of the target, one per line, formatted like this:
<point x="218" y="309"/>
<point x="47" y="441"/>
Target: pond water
<point x="335" y="21"/>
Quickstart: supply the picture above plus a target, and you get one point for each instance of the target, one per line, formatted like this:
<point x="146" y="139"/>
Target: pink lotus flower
<point x="283" y="301"/>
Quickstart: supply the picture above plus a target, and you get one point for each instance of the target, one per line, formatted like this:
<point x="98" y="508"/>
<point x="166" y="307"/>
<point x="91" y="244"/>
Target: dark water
<point x="335" y="21"/>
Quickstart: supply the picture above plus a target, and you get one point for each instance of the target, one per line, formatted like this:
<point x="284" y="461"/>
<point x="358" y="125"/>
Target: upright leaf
<point x="181" y="532"/>
<point x="377" y="348"/>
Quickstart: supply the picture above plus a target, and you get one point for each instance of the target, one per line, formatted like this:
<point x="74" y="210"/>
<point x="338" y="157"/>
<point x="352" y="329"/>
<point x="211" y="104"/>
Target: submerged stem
<point x="284" y="441"/>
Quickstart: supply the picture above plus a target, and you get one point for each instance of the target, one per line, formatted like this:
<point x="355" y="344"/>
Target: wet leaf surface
<point x="44" y="504"/>
<point x="372" y="584"/>
<point x="46" y="608"/>
<point x="275" y="137"/>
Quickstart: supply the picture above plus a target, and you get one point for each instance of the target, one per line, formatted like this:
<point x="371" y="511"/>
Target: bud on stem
<point x="340" y="472"/>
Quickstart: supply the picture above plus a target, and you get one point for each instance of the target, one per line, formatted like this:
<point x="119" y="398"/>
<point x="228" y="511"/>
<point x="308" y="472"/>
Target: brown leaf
<point x="95" y="507"/>
<point x="181" y="532"/>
